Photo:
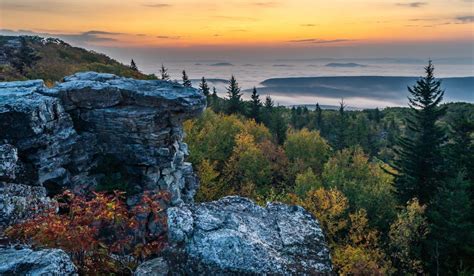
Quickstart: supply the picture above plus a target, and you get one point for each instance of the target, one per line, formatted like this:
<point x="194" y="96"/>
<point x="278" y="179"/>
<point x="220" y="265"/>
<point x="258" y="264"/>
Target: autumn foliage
<point x="101" y="234"/>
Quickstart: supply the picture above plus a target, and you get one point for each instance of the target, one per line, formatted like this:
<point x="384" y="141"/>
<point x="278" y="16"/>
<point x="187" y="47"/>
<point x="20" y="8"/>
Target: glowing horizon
<point x="290" y="24"/>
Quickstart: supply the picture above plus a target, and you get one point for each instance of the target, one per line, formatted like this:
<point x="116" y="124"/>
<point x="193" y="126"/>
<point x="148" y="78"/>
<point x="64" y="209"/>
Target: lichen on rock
<point x="234" y="235"/>
<point x="41" y="262"/>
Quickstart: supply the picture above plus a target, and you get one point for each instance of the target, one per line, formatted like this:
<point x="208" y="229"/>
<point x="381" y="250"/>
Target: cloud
<point x="318" y="40"/>
<point x="157" y="5"/>
<point x="412" y="4"/>
<point x="168" y="37"/>
<point x="100" y="33"/>
<point x="465" y="19"/>
<point x="265" y="4"/>
<point x="235" y="18"/>
<point x="239" y="30"/>
<point x="88" y="37"/>
<point x="308" y="25"/>
<point x="38" y="6"/>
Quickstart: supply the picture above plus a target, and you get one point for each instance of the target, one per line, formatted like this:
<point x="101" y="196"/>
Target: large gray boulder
<point x="28" y="262"/>
<point x="235" y="236"/>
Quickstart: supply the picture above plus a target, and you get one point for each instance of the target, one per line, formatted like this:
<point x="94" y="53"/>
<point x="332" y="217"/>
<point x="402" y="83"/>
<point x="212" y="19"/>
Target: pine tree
<point x="204" y="87"/>
<point x="319" y="118"/>
<point x="256" y="104"/>
<point x="341" y="139"/>
<point x="269" y="103"/>
<point x="234" y="103"/>
<point x="294" y="117"/>
<point x="215" y="100"/>
<point x="164" y="73"/>
<point x="278" y="127"/>
<point x="186" y="81"/>
<point x="419" y="160"/>
<point x="460" y="151"/>
<point x="133" y="66"/>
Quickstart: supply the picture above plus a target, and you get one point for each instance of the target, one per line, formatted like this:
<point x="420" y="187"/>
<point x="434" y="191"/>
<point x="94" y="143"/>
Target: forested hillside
<point x="392" y="188"/>
<point x="51" y="59"/>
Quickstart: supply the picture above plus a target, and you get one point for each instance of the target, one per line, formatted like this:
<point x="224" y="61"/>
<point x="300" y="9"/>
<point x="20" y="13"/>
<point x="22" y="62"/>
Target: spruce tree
<point x="256" y="104"/>
<point x="234" y="102"/>
<point x="164" y="73"/>
<point x="133" y="66"/>
<point x="278" y="126"/>
<point x="341" y="131"/>
<point x="204" y="87"/>
<point x="269" y="103"/>
<point x="186" y="81"/>
<point x="267" y="111"/>
<point x="214" y="100"/>
<point x="419" y="160"/>
<point x="319" y="118"/>
<point x="451" y="239"/>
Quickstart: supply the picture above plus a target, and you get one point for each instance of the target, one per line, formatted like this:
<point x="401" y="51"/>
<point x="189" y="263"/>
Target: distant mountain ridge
<point x="392" y="88"/>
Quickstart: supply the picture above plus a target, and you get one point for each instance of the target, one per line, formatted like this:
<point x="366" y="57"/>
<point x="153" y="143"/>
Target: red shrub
<point x="97" y="232"/>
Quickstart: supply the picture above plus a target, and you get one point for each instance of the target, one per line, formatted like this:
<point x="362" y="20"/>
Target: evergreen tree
<point x="269" y="103"/>
<point x="377" y="115"/>
<point x="204" y="87"/>
<point x="451" y="240"/>
<point x="133" y="66"/>
<point x="278" y="127"/>
<point x="164" y="73"/>
<point x="460" y="151"/>
<point x="25" y="58"/>
<point x="419" y="160"/>
<point x="256" y="104"/>
<point x="234" y="102"/>
<point x="294" y="117"/>
<point x="215" y="101"/>
<point x="267" y="111"/>
<point x="341" y="139"/>
<point x="186" y="81"/>
<point x="319" y="118"/>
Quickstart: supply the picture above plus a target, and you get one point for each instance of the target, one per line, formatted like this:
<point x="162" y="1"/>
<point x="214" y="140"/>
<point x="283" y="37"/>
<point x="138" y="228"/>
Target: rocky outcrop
<point x="93" y="128"/>
<point x="29" y="262"/>
<point x="234" y="235"/>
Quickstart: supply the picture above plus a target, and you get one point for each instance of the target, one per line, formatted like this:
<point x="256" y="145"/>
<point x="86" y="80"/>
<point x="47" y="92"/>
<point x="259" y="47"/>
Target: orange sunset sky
<point x="182" y="23"/>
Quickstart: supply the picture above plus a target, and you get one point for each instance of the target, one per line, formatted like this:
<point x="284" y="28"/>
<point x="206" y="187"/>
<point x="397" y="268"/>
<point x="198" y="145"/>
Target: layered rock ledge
<point x="97" y="129"/>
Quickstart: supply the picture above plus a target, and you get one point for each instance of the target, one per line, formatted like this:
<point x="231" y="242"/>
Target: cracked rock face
<point x="28" y="262"/>
<point x="59" y="137"/>
<point x="234" y="235"/>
